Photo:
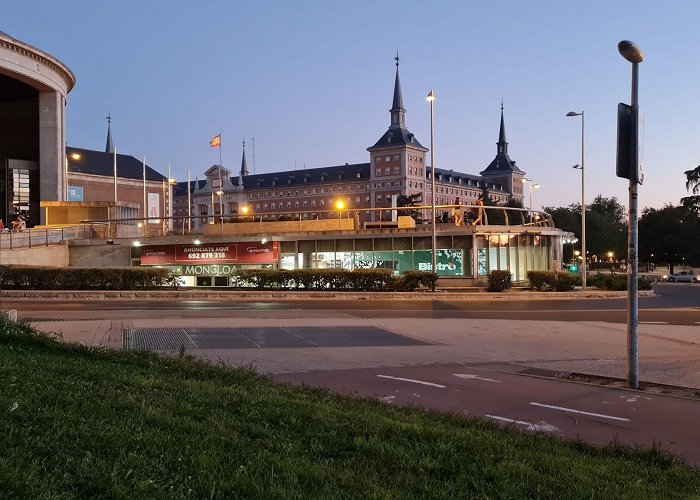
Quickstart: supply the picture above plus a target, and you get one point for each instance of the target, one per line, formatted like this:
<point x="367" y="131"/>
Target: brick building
<point x="397" y="166"/>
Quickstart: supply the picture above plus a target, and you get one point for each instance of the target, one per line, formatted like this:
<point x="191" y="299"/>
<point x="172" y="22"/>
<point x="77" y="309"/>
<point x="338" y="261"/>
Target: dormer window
<point x="359" y="175"/>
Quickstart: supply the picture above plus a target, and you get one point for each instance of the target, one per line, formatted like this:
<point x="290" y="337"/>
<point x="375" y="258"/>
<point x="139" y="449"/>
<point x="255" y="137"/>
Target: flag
<point x="216" y="142"/>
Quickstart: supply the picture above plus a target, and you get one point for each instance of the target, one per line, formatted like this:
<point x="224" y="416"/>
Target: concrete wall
<point x="51" y="256"/>
<point x="102" y="255"/>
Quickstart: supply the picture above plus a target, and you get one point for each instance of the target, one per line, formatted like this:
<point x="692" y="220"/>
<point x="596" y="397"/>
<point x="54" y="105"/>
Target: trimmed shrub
<point x="499" y="281"/>
<point x="616" y="282"/>
<point x="51" y="278"/>
<point x="565" y="282"/>
<point x="540" y="280"/>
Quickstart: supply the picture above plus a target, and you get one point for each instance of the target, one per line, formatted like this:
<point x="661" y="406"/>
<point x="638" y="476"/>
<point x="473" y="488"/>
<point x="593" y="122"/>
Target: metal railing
<point x="46" y="236"/>
<point x="379" y="218"/>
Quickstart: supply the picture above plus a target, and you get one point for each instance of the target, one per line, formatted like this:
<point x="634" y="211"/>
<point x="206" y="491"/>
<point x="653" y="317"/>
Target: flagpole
<point x="220" y="148"/>
<point x="145" y="206"/>
<point x="115" y="178"/>
<point x="189" y="203"/>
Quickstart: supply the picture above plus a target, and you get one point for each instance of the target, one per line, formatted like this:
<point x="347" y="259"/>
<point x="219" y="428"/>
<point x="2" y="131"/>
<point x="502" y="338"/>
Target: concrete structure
<point x="33" y="90"/>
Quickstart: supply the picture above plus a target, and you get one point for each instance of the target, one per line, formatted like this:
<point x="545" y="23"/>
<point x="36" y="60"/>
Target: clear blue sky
<point x="312" y="82"/>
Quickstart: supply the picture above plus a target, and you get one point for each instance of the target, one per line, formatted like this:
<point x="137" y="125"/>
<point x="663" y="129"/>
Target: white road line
<point x="412" y="381"/>
<point x="571" y="410"/>
<point x="653" y="322"/>
<point x="475" y="377"/>
<point x="541" y="426"/>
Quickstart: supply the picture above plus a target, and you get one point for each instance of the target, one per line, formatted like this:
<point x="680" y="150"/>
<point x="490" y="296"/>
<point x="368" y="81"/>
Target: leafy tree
<point x="692" y="184"/>
<point x="609" y="208"/>
<point x="669" y="235"/>
<point x="606" y="227"/>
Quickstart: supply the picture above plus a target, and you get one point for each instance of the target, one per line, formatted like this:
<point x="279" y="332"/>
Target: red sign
<point x="214" y="253"/>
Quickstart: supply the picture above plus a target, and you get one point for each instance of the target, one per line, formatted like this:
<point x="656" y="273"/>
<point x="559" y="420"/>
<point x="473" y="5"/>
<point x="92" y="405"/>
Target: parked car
<point x="683" y="277"/>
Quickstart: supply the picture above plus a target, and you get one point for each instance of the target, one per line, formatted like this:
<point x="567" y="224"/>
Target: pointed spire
<point x="244" y="163"/>
<point x="397" y="110"/>
<point x="109" y="148"/>
<point x="502" y="143"/>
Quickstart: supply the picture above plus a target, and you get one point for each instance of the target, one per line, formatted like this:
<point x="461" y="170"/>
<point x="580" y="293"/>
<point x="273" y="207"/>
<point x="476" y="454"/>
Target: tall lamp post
<point x="634" y="55"/>
<point x="583" y="202"/>
<point x="431" y="100"/>
<point x="536" y="186"/>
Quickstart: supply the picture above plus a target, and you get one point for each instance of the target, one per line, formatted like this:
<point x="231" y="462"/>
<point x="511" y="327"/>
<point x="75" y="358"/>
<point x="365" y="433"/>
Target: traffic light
<point x="627" y="167"/>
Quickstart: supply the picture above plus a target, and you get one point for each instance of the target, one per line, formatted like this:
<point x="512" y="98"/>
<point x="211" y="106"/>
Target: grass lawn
<point x="83" y="422"/>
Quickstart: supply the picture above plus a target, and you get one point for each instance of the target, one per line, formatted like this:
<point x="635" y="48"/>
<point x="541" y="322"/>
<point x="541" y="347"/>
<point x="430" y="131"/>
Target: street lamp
<point x="72" y="156"/>
<point x="634" y="55"/>
<point x="583" y="202"/>
<point x="221" y="206"/>
<point x="431" y="100"/>
<point x="536" y="186"/>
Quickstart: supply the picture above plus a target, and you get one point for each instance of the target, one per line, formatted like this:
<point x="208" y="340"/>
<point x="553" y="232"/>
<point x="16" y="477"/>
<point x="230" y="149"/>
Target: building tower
<point x="397" y="160"/>
<point x="109" y="148"/>
<point x="502" y="170"/>
<point x="244" y="170"/>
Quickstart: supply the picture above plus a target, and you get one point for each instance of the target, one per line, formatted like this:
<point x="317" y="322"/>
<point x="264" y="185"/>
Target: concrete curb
<point x="295" y="295"/>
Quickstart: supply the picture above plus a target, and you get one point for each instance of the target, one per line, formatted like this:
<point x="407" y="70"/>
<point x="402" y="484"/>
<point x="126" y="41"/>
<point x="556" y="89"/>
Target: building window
<point x="378" y="172"/>
<point x="289" y="204"/>
<point x="397" y="157"/>
<point x="396" y="170"/>
<point x="379" y="198"/>
<point x="387" y="171"/>
<point x="388" y="158"/>
<point x="378" y="159"/>
<point x="357" y="199"/>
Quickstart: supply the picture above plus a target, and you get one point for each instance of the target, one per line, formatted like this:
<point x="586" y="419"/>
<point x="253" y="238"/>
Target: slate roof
<point x="101" y="163"/>
<point x="398" y="136"/>
<point x="289" y="178"/>
<point x="502" y="162"/>
<point x="467" y="180"/>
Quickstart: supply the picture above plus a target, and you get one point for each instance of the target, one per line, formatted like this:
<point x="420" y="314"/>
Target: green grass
<point x="77" y="422"/>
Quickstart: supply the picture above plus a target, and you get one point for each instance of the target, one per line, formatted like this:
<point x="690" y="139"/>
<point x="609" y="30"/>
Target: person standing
<point x="457" y="212"/>
<point x="479" y="212"/>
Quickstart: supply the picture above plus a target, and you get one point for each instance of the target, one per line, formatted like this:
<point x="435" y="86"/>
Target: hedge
<point x="550" y="280"/>
<point x="333" y="279"/>
<point x="148" y="278"/>
<point x="616" y="282"/>
<point x="73" y="278"/>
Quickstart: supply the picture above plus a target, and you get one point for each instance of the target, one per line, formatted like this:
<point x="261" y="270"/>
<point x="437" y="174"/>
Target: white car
<point x="683" y="277"/>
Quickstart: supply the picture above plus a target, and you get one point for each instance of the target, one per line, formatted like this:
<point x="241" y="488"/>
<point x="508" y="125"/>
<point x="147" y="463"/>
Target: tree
<point x="669" y="235"/>
<point x="606" y="227"/>
<point x="692" y="184"/>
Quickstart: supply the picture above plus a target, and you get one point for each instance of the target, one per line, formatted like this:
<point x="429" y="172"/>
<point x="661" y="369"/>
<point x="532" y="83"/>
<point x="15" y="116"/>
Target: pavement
<point x="668" y="354"/>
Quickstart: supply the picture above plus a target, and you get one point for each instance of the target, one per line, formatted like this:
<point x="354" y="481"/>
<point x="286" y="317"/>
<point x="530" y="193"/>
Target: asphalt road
<point x="597" y="415"/>
<point x="675" y="304"/>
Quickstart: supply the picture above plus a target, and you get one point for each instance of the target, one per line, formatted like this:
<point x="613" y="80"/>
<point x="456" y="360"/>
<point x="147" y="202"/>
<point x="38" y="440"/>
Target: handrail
<point x="45" y="236"/>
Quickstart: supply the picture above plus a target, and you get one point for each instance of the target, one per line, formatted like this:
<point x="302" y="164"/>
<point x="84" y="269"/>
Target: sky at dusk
<point x="312" y="83"/>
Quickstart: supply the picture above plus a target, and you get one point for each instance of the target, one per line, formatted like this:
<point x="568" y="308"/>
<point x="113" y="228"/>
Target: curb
<point x="296" y="295"/>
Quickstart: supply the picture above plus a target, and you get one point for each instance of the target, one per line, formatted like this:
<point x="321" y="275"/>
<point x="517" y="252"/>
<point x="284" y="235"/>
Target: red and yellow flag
<point x="216" y="142"/>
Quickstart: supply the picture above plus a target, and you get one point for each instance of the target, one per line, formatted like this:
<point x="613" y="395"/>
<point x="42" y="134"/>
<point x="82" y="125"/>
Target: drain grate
<point x="261" y="338"/>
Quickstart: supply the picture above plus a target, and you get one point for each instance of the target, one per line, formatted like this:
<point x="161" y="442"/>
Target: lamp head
<point x="630" y="51"/>
<point x="340" y="204"/>
<point x="573" y="113"/>
<point x="576" y="166"/>
<point x="431" y="96"/>
<point x="75" y="156"/>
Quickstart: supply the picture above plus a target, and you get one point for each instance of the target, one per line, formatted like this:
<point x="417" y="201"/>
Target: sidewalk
<point x="668" y="354"/>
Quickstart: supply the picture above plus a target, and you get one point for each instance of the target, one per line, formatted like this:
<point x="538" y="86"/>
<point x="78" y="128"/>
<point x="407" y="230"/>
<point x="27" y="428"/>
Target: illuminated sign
<point x="217" y="253"/>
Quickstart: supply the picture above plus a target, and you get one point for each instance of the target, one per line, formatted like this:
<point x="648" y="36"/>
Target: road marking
<point x="539" y="427"/>
<point x="475" y="377"/>
<point x="412" y="381"/>
<point x="571" y="410"/>
<point x="653" y="322"/>
<point x="387" y="399"/>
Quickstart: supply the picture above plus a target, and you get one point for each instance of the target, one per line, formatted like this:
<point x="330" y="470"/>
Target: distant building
<point x="34" y="87"/>
<point x="397" y="166"/>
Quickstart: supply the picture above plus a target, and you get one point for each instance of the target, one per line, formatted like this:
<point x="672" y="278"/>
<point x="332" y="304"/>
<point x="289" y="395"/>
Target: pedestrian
<point x="479" y="212"/>
<point x="2" y="226"/>
<point x="457" y="212"/>
<point x="19" y="224"/>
